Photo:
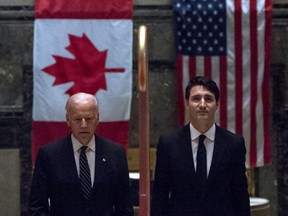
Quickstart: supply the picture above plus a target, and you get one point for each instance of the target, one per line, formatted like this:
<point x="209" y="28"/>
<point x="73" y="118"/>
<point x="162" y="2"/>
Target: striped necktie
<point x="85" y="177"/>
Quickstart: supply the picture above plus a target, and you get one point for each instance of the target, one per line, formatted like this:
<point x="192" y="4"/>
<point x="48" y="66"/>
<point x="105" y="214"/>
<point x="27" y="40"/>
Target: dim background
<point x="16" y="86"/>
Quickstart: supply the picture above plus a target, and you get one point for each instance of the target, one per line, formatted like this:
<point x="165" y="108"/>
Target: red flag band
<point x="79" y="9"/>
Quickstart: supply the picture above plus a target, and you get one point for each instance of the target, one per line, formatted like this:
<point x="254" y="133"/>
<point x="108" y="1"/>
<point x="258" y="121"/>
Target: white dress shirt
<point x="208" y="142"/>
<point x="90" y="154"/>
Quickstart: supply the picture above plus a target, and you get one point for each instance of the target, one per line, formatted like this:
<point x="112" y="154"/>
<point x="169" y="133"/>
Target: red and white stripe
<point x="242" y="76"/>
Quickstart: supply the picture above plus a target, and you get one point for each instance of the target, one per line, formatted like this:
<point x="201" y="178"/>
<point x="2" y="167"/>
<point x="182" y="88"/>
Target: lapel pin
<point x="104" y="160"/>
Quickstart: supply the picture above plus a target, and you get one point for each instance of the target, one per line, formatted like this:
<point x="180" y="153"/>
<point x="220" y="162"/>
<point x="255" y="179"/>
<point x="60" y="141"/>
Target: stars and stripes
<point x="229" y="41"/>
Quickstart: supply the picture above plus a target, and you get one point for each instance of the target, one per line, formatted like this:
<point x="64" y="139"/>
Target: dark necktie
<point x="201" y="169"/>
<point x="85" y="177"/>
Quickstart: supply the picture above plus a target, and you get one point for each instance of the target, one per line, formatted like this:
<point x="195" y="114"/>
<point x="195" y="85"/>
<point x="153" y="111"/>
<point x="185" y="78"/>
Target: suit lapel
<point x="186" y="149"/>
<point x="219" y="147"/>
<point x="68" y="159"/>
<point x="100" y="161"/>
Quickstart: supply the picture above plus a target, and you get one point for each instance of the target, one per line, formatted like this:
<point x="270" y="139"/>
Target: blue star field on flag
<point x="201" y="27"/>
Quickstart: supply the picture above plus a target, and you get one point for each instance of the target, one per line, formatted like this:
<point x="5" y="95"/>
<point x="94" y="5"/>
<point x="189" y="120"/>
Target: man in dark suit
<point x="208" y="182"/>
<point x="56" y="189"/>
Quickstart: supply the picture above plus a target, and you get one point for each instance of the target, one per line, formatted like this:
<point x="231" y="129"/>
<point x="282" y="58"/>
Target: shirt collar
<point x="210" y="134"/>
<point x="77" y="145"/>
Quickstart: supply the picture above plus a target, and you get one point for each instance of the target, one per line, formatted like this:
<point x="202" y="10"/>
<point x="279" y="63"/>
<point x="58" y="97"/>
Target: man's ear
<point x="68" y="120"/>
<point x="97" y="119"/>
<point x="217" y="104"/>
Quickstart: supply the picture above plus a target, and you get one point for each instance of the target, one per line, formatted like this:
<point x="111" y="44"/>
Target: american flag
<point x="229" y="41"/>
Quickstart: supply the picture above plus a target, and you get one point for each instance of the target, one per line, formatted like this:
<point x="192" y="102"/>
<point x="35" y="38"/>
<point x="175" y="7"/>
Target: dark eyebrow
<point x="205" y="95"/>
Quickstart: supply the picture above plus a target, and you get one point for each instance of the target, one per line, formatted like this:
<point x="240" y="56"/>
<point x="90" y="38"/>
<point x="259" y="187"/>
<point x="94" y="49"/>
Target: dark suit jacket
<point x="175" y="192"/>
<point x="55" y="177"/>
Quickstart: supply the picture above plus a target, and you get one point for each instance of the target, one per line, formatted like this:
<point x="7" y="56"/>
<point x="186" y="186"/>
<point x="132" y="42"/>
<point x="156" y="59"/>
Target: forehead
<point x="200" y="90"/>
<point x="82" y="108"/>
<point x="83" y="112"/>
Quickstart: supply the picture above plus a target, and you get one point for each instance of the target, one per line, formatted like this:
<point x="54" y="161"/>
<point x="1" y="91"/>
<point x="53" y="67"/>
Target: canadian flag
<point x="82" y="46"/>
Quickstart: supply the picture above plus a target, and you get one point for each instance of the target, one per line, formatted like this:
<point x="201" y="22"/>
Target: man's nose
<point x="83" y="123"/>
<point x="202" y="102"/>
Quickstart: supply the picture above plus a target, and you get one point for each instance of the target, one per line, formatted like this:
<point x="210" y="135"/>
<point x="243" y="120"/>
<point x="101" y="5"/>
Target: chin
<point x="84" y="138"/>
<point x="84" y="142"/>
<point x="203" y="117"/>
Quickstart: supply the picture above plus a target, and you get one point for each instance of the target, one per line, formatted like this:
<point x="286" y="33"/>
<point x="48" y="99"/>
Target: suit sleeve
<point x="38" y="200"/>
<point x="239" y="184"/>
<point x="122" y="203"/>
<point x="161" y="186"/>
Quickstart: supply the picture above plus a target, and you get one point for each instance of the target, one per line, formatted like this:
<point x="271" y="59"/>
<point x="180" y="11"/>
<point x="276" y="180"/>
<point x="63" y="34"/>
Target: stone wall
<point x="16" y="51"/>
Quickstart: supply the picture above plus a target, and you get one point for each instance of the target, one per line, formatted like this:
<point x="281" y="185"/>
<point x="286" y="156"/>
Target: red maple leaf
<point x="87" y="70"/>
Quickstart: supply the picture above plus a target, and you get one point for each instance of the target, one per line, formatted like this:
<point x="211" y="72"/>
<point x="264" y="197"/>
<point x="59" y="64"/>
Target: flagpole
<point x="144" y="182"/>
